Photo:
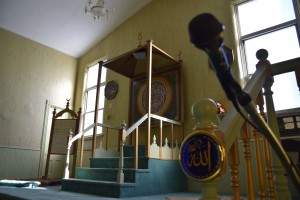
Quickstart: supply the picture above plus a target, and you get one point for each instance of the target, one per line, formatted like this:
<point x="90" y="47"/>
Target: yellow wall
<point x="165" y="22"/>
<point x="30" y="74"/>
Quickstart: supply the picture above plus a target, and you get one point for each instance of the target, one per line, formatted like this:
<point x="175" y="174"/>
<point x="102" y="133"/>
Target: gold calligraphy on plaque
<point x="200" y="154"/>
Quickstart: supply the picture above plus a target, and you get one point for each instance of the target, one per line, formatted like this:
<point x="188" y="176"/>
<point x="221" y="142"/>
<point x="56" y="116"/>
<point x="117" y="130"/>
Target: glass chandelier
<point x="97" y="10"/>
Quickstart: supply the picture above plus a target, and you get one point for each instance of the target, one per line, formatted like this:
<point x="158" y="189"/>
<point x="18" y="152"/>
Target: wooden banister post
<point x="136" y="152"/>
<point x="280" y="182"/>
<point x="120" y="178"/>
<point x="149" y="81"/>
<point x="67" y="172"/>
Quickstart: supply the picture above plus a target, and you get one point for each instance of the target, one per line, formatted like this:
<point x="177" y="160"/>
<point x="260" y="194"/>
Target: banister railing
<point x="136" y="124"/>
<point x="81" y="134"/>
<point x="232" y="123"/>
<point x="109" y="126"/>
<point x="165" y="119"/>
<point x="135" y="127"/>
<point x="124" y="133"/>
<point x="231" y="129"/>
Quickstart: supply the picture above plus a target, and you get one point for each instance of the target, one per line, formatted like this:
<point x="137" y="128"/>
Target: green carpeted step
<point x="163" y="176"/>
<point x="113" y="162"/>
<point x="101" y="188"/>
<point x="105" y="174"/>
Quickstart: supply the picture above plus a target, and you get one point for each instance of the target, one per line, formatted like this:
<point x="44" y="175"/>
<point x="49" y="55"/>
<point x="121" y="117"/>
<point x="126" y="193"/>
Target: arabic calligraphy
<point x="200" y="156"/>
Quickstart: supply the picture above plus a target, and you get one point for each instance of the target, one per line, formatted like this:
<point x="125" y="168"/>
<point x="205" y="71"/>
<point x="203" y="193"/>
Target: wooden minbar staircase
<point x="153" y="176"/>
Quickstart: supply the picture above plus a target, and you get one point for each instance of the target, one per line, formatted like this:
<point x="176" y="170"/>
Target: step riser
<point x="91" y="188"/>
<point x="129" y="151"/>
<point x="104" y="174"/>
<point x="114" y="163"/>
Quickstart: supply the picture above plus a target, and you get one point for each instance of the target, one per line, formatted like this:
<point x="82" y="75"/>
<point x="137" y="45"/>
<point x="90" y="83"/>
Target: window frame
<point x="85" y="98"/>
<point x="241" y="39"/>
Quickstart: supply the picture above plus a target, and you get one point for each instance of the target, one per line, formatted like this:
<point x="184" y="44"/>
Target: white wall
<point x="30" y="74"/>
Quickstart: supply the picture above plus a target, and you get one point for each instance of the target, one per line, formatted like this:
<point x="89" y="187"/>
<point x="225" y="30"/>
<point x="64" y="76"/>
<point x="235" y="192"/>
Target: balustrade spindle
<point x="233" y="162"/>
<point x="259" y="166"/>
<point x="136" y="152"/>
<point x="260" y="103"/>
<point x="247" y="155"/>
<point x="160" y="139"/>
<point x="172" y="141"/>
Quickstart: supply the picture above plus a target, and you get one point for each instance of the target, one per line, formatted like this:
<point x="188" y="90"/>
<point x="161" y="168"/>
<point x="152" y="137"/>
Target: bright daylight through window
<point x="272" y="25"/>
<point x="90" y="98"/>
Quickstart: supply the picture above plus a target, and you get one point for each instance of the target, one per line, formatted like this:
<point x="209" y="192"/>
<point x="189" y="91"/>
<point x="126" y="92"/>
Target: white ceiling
<point x="63" y="24"/>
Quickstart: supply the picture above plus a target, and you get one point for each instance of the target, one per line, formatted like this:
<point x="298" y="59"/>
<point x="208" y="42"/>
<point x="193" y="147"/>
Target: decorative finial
<point x="179" y="56"/>
<point x="166" y="142"/>
<point x="204" y="111"/>
<point x="154" y="139"/>
<point x="140" y="36"/>
<point x="68" y="102"/>
<point x="123" y="124"/>
<point x="262" y="54"/>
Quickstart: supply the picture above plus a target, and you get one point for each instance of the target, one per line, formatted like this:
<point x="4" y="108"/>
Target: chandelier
<point x="97" y="10"/>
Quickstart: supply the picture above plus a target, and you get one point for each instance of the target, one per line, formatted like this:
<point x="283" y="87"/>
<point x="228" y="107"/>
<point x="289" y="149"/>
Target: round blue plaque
<point x="201" y="156"/>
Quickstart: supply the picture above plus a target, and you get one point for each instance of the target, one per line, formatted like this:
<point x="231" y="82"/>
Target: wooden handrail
<point x="71" y="140"/>
<point x="135" y="125"/>
<point x="253" y="87"/>
<point x="165" y="119"/>
<point x="109" y="126"/>
<point x="230" y="129"/>
<point x="76" y="137"/>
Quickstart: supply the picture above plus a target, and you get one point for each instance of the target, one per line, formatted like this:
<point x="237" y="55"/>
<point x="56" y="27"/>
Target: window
<point x="272" y="25"/>
<point x="90" y="98"/>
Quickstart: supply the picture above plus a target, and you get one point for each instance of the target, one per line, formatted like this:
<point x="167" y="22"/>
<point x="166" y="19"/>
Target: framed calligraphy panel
<point x="202" y="156"/>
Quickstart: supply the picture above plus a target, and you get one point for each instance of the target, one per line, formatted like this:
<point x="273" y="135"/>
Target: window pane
<point x="285" y="91"/>
<point x="100" y="116"/>
<point x="285" y="86"/>
<point x="92" y="76"/>
<point x="101" y="97"/>
<point x="90" y="101"/>
<point x="276" y="43"/>
<point x="88" y="119"/>
<point x="103" y="74"/>
<point x="258" y="15"/>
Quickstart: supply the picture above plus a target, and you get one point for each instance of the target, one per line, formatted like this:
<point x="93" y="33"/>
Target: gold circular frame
<point x="169" y="96"/>
<point x="220" y="148"/>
